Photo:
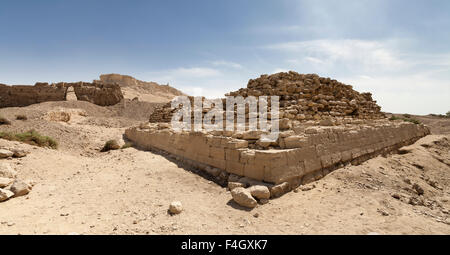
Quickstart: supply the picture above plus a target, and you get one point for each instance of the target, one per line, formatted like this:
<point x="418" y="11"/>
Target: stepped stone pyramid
<point x="324" y="125"/>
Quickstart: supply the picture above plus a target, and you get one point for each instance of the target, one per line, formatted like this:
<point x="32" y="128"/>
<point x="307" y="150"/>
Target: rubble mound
<point x="309" y="96"/>
<point x="302" y="97"/>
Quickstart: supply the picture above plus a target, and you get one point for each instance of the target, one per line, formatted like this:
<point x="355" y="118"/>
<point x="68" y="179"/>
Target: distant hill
<point x="144" y="91"/>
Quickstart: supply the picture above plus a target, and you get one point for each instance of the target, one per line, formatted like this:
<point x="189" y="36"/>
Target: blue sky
<point x="399" y="50"/>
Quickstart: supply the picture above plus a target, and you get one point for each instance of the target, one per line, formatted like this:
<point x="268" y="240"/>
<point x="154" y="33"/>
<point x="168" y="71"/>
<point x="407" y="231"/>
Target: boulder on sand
<point x="5" y="153"/>
<point x="20" y="188"/>
<point x="243" y="197"/>
<point x="259" y="192"/>
<point x="175" y="207"/>
<point x="5" y="194"/>
<point x="4" y="182"/>
<point x="7" y="171"/>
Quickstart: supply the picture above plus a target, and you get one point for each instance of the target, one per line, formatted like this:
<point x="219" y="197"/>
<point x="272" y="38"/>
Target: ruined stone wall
<point x="303" y="154"/>
<point x="21" y="95"/>
<point x="96" y="93"/>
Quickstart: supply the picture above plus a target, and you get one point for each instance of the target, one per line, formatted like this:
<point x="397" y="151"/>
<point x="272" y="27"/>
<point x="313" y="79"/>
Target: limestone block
<point x="279" y="190"/>
<point x="234" y="167"/>
<point x="243" y="197"/>
<point x="217" y="153"/>
<point x="237" y="144"/>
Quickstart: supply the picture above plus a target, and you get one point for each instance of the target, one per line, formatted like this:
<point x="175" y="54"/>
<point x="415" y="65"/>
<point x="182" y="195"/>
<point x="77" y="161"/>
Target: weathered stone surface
<point x="299" y="155"/>
<point x="249" y="181"/>
<point x="20" y="188"/>
<point x="175" y="207"/>
<point x="251" y="135"/>
<point x="279" y="190"/>
<point x="259" y="192"/>
<point x="22" y="95"/>
<point x="98" y="93"/>
<point x="7" y="171"/>
<point x="5" y="182"/>
<point x="5" y="195"/>
<point x="233" y="185"/>
<point x="233" y="178"/>
<point x="326" y="122"/>
<point x="243" y="197"/>
<point x="264" y="201"/>
<point x="5" y="153"/>
<point x="213" y="171"/>
<point x="285" y="124"/>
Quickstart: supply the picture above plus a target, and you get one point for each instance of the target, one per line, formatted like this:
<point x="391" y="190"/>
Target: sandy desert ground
<point x="81" y="190"/>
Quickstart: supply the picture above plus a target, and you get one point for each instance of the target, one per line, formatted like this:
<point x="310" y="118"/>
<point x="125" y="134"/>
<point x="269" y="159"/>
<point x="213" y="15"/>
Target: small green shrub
<point x="394" y="118"/>
<point x="412" y="120"/>
<point x="408" y="116"/>
<point x="31" y="137"/>
<point x="448" y="114"/>
<point x="127" y="145"/>
<point x="4" y="121"/>
<point x="110" y="145"/>
<point x="21" y="117"/>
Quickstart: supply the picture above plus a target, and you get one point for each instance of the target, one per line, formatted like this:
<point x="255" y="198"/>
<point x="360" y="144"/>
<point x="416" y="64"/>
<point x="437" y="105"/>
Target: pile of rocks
<point x="310" y="97"/>
<point x="248" y="192"/>
<point x="162" y="114"/>
<point x="10" y="186"/>
<point x="303" y="97"/>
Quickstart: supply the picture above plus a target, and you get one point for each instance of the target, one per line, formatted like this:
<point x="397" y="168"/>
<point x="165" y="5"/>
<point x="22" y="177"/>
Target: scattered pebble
<point x="175" y="207"/>
<point x="418" y="189"/>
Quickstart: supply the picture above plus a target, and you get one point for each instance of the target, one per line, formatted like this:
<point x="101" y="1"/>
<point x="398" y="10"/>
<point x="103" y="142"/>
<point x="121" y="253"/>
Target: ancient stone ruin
<point x="302" y="97"/>
<point x="22" y="95"/>
<point x="324" y="125"/>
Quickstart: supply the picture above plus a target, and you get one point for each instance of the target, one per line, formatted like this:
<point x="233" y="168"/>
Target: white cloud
<point x="197" y="72"/>
<point x="358" y="54"/>
<point x="279" y="70"/>
<point x="226" y="64"/>
<point x="185" y="74"/>
<point x="198" y="81"/>
<point x="416" y="93"/>
<point x="401" y="80"/>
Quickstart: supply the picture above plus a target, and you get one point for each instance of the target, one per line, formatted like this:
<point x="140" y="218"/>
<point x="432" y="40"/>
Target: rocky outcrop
<point x="128" y="81"/>
<point x="141" y="90"/>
